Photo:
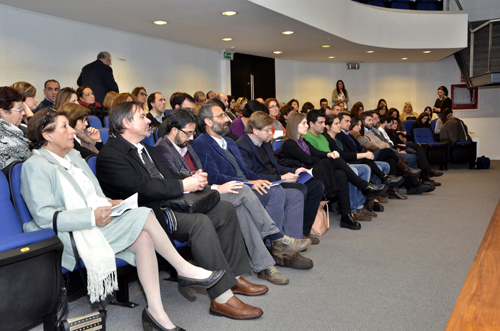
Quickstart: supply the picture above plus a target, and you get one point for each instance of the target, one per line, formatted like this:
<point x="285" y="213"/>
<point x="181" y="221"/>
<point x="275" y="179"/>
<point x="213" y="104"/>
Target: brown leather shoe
<point x="244" y="287"/>
<point x="235" y="309"/>
<point x="359" y="216"/>
<point x="381" y="199"/>
<point x="367" y="212"/>
<point x="394" y="194"/>
<point x="314" y="240"/>
<point x="411" y="172"/>
<point x="294" y="261"/>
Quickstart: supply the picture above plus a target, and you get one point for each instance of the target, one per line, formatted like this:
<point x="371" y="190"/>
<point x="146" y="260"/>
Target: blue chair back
<point x="433" y="125"/>
<point x="17" y="198"/>
<point x="104" y="132"/>
<point x="167" y="112"/>
<point x="106" y="121"/>
<point x="91" y="161"/>
<point x="94" y="121"/>
<point x="277" y="144"/>
<point x="426" y="6"/>
<point x="400" y="5"/>
<point x="376" y="3"/>
<point x="9" y="222"/>
<point x="149" y="140"/>
<point x="423" y="136"/>
<point x="407" y="125"/>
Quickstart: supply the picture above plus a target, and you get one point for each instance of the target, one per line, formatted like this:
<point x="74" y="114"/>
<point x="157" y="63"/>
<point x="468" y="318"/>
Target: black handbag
<point x="91" y="322"/>
<point x="195" y="202"/>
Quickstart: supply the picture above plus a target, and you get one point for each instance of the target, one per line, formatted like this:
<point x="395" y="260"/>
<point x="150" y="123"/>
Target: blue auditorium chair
<point x="437" y="152"/>
<point x="106" y="121"/>
<point x="400" y="5"/>
<point x="30" y="271"/>
<point x="376" y="3"/>
<point x="426" y="6"/>
<point x="277" y="144"/>
<point x="104" y="132"/>
<point x="94" y="121"/>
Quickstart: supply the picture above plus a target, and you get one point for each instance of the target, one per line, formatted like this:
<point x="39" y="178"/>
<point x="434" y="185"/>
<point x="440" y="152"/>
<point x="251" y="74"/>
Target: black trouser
<point x="422" y="161"/>
<point x="313" y="194"/>
<point x="388" y="155"/>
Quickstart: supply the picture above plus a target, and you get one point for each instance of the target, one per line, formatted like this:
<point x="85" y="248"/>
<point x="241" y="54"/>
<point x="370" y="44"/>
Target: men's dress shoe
<point x="314" y="240"/>
<point x="391" y="180"/>
<point x="272" y="275"/>
<point x="359" y="216"/>
<point x="381" y="199"/>
<point x="235" y="309"/>
<point x="411" y="172"/>
<point x="378" y="207"/>
<point x="208" y="282"/>
<point x="294" y="261"/>
<point x="431" y="182"/>
<point x="288" y="245"/>
<point x="365" y="211"/>
<point x="372" y="191"/>
<point x="394" y="194"/>
<point x="421" y="189"/>
<point x="435" y="173"/>
<point x="244" y="287"/>
<point x="149" y="323"/>
<point x="347" y="221"/>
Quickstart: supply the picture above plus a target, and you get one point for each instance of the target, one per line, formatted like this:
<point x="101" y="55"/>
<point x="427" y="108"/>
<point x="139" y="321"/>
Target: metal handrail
<point x="472" y="32"/>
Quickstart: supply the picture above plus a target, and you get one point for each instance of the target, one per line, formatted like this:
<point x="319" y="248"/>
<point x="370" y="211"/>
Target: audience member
<point x="134" y="236"/>
<point x="453" y="129"/>
<point x="294" y="103"/>
<point x="50" y="89"/>
<point x="215" y="239"/>
<point x="337" y="108"/>
<point x="156" y="105"/>
<point x="323" y="103"/>
<point x="98" y="76"/>
<point x="182" y="100"/>
<point x="239" y="105"/>
<point x="307" y="107"/>
<point x="443" y="101"/>
<point x="29" y="93"/>
<point x="422" y="122"/>
<point x="140" y="95"/>
<point x="259" y="157"/>
<point x="238" y="126"/>
<point x="13" y="141"/>
<point x="357" y="109"/>
<point x="224" y="163"/>
<point x="122" y="97"/>
<point x="210" y="95"/>
<point x="86" y="98"/>
<point x="408" y="114"/>
<point x="108" y="100"/>
<point x="285" y="112"/>
<point x="176" y="152"/>
<point x="199" y="100"/>
<point x="272" y="105"/>
<point x="340" y="94"/>
<point x="87" y="139"/>
<point x="65" y="95"/>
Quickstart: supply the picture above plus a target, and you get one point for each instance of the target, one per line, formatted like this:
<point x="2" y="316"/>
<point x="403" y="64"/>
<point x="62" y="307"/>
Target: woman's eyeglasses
<point x="47" y="116"/>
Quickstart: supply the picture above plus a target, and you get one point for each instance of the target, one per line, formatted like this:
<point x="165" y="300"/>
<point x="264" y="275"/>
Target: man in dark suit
<point x="223" y="162"/>
<point x="50" y="89"/>
<point x="156" y="105"/>
<point x="98" y="75"/>
<point x="126" y="166"/>
<point x="258" y="155"/>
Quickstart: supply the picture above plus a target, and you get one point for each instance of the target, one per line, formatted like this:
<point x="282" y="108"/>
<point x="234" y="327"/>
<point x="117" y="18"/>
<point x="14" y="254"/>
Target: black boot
<point x="347" y="221"/>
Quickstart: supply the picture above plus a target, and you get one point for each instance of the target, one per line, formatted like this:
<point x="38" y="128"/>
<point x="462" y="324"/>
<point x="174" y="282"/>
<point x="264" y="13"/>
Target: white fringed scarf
<point x="93" y="248"/>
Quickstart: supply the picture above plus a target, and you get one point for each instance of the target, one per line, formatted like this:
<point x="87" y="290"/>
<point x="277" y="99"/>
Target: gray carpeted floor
<point x="402" y="271"/>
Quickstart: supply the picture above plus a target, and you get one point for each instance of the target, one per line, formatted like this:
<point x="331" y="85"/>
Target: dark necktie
<point x="150" y="166"/>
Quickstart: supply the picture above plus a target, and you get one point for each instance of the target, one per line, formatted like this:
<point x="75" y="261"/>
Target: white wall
<point x="37" y="47"/>
<point x="397" y="83"/>
<point x="479" y="10"/>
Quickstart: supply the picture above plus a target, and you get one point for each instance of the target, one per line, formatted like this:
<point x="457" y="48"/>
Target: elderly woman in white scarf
<point x="56" y="178"/>
<point x="13" y="142"/>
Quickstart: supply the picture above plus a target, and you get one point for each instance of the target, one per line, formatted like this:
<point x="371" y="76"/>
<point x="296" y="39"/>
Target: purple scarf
<point x="303" y="145"/>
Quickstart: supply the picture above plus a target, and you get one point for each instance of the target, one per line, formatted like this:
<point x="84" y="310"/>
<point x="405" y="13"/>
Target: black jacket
<point x="99" y="77"/>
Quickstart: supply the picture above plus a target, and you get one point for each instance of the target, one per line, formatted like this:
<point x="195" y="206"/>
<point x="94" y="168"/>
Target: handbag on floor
<point x="322" y="221"/>
<point x="91" y="322"/>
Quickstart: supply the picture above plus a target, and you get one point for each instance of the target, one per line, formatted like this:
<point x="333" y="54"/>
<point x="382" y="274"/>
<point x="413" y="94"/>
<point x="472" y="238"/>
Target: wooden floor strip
<point x="478" y="305"/>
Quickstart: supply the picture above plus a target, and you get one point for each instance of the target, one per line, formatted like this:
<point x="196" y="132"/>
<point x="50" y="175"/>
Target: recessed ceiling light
<point x="277" y="52"/>
<point x="229" y="13"/>
<point x="287" y="32"/>
<point x="325" y="46"/>
<point x="227" y="39"/>
<point x="331" y="57"/>
<point x="160" y="22"/>
<point x="426" y="52"/>
<point x="404" y="58"/>
<point x="369" y="52"/>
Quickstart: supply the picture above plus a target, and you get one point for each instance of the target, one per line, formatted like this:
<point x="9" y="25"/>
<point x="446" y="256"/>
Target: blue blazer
<point x="215" y="162"/>
<point x="254" y="161"/>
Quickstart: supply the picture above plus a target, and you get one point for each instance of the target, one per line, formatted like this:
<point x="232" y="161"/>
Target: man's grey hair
<point x="103" y="56"/>
<point x="206" y="112"/>
<point x="118" y="113"/>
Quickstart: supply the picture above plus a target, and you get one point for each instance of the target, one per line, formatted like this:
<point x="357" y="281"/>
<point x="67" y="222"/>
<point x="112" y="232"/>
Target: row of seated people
<point x="128" y="120"/>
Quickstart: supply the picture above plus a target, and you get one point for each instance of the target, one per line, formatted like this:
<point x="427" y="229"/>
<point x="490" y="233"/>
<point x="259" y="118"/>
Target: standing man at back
<point x="98" y="75"/>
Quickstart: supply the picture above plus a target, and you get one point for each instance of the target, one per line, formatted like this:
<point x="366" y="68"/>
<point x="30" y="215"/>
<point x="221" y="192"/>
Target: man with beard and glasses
<point x="256" y="224"/>
<point x="222" y="160"/>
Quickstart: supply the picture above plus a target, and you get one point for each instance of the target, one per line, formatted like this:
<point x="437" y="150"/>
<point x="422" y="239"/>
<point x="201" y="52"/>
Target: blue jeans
<point x="411" y="159"/>
<point x="356" y="197"/>
<point x="385" y="167"/>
